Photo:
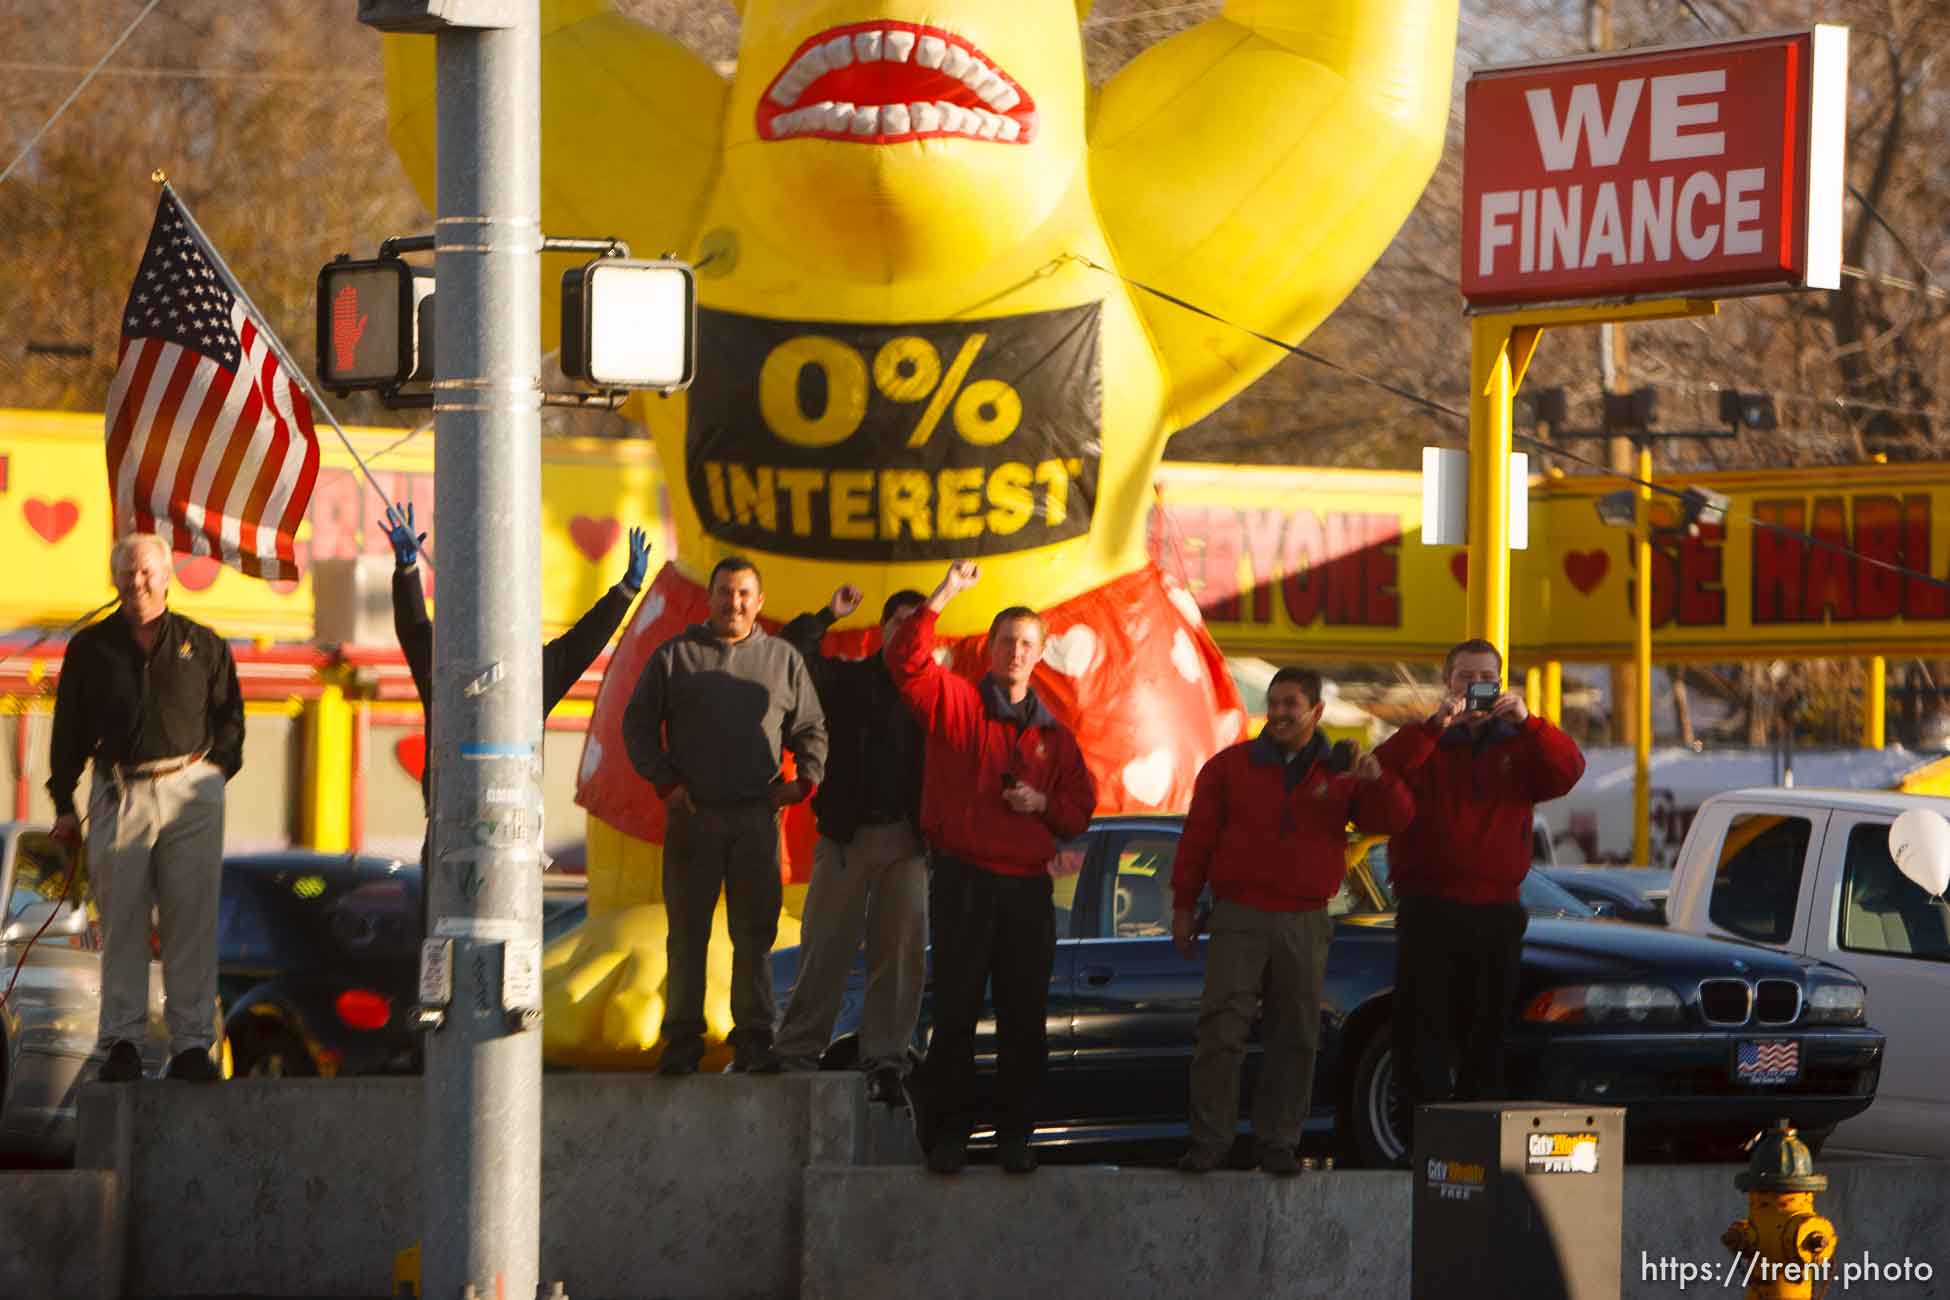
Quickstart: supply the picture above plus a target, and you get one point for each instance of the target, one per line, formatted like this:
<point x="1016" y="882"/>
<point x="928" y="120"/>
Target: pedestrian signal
<point x="366" y="324"/>
<point x="630" y="324"/>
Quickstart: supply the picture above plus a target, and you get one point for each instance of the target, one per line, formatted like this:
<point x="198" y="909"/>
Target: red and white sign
<point x="1701" y="169"/>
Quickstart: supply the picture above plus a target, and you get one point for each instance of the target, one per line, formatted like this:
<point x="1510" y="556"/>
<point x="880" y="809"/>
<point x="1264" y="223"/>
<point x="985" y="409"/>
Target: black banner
<point x="889" y="443"/>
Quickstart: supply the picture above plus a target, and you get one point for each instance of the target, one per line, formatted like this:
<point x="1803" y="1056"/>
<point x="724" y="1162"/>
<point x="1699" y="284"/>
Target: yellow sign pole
<point x="1501" y="345"/>
<point x="1642" y="663"/>
<point x="1875" y="693"/>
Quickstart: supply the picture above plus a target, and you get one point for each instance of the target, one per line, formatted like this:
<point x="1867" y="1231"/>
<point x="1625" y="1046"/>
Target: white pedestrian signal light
<point x="630" y="324"/>
<point x="366" y="324"/>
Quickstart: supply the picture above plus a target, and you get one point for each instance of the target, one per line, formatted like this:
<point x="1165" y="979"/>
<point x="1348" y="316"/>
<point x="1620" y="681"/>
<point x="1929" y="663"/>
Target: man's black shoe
<point x="192" y="1065"/>
<point x="1279" y="1161"/>
<point x="947" y="1156"/>
<point x="753" y="1060"/>
<point x="680" y="1058"/>
<point x="1199" y="1160"/>
<point x="124" y="1063"/>
<point x="1016" y="1157"/>
<point x="884" y="1085"/>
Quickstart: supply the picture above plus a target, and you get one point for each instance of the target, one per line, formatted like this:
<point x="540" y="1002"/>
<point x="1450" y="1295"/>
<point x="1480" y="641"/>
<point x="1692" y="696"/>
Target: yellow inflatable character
<point x="916" y="228"/>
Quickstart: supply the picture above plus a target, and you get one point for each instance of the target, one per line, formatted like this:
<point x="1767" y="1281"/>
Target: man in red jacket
<point x="1004" y="783"/>
<point x="1268" y="831"/>
<point x="1476" y="775"/>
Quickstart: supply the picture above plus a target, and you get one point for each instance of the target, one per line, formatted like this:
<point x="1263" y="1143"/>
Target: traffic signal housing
<point x="630" y="324"/>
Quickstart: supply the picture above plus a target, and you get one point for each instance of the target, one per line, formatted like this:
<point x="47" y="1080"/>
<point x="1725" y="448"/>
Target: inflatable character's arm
<point x="1257" y="165"/>
<point x="630" y="128"/>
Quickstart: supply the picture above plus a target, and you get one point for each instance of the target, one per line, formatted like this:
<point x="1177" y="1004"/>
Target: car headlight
<point x="1837" y="1004"/>
<point x="1606" y="1004"/>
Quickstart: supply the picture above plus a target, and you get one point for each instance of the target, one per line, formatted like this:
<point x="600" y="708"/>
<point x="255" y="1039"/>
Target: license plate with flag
<point x="1767" y="1060"/>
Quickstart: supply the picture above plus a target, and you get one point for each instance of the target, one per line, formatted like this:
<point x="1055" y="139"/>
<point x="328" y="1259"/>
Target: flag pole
<point x="277" y="345"/>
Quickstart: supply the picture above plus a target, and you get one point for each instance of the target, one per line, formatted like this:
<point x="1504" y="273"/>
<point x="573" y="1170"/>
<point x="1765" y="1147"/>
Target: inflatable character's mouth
<point x="877" y="83"/>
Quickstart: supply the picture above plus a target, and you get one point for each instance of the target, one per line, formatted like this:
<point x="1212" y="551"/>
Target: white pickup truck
<point x="1809" y="871"/>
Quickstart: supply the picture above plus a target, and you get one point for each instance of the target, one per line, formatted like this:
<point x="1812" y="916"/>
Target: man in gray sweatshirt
<point x="705" y="726"/>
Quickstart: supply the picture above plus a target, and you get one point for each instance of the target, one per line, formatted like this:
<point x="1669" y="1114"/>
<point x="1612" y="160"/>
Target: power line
<point x="159" y="73"/>
<point x="79" y="87"/>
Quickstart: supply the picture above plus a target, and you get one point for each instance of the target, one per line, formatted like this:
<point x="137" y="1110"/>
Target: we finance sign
<point x="1699" y="170"/>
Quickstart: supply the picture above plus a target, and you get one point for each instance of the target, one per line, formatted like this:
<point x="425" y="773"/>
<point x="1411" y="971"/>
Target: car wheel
<point x="274" y="1053"/>
<point x="1377" y="1112"/>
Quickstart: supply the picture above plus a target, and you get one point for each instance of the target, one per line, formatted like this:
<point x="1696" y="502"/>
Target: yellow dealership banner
<point x="1286" y="562"/>
<point x="56" y="525"/>
<point x="1326" y="563"/>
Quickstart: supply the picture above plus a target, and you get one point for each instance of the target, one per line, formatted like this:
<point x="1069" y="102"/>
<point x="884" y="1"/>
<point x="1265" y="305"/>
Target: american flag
<point x="1768" y="1062"/>
<point x="210" y="442"/>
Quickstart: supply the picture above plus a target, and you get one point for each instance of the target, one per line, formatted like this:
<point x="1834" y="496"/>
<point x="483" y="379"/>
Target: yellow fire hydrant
<point x="1782" y="1247"/>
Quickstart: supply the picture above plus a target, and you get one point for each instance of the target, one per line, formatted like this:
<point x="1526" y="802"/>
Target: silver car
<point x="49" y="1022"/>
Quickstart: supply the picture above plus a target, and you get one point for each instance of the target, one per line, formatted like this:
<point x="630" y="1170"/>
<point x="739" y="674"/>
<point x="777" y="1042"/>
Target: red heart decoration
<point x="411" y="751"/>
<point x="594" y="537"/>
<point x="1586" y="569"/>
<point x="53" y="520"/>
<point x="197" y="571"/>
<point x="1459" y="566"/>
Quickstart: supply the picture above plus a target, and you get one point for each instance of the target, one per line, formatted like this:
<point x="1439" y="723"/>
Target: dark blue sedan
<point x="1607" y="1012"/>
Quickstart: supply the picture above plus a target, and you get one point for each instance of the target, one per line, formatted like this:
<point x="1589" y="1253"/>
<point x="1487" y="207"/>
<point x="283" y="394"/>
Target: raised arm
<point x="567" y="657"/>
<point x="1257" y="164"/>
<point x="944" y="704"/>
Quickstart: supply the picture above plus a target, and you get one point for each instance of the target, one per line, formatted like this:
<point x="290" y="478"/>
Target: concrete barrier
<point x="650" y="1187"/>
<point x="60" y="1235"/>
<point x="1090" y="1233"/>
<point x="734" y="1187"/>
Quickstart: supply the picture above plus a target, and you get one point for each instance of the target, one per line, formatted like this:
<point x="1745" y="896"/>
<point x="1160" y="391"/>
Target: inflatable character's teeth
<point x="975" y="74"/>
<point x="931" y="51"/>
<point x="1010" y="130"/>
<point x="865" y="121"/>
<point x="895" y="120"/>
<point x="987" y="86"/>
<point x="926" y="117"/>
<point x="866" y="46"/>
<point x="950" y="115"/>
<point x="991" y="124"/>
<point x="956" y="62"/>
<point x="898" y="45"/>
<point x="1001" y="97"/>
<point x="839" y="52"/>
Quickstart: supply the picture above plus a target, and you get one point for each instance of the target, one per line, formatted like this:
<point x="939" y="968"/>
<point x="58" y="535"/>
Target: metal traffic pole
<point x="481" y="1146"/>
<point x="482" y="1160"/>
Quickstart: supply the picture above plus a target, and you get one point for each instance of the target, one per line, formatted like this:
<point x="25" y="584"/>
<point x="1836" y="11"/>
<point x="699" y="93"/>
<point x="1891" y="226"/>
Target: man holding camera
<point x="1004" y="785"/>
<point x="1268" y="830"/>
<point x="1476" y="768"/>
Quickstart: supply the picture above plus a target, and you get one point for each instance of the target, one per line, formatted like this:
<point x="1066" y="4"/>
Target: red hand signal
<point x="348" y="324"/>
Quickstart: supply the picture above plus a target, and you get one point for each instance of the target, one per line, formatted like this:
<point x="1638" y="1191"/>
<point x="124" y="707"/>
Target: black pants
<point x="995" y="931"/>
<point x="1455" y="980"/>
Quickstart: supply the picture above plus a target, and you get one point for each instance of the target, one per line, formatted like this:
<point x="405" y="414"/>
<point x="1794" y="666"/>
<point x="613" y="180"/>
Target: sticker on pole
<point x="1702" y="170"/>
<point x="521" y="974"/>
<point x="436" y="972"/>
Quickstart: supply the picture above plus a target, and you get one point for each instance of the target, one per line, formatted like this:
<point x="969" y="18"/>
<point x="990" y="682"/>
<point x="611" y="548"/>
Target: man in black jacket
<point x="564" y="660"/>
<point x="870" y="871"/>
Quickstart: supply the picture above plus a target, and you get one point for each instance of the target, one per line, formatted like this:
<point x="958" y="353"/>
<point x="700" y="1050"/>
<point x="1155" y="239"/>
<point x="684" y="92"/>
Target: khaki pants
<point x="876" y="887"/>
<point x="158" y="841"/>
<point x="1281" y="956"/>
<point x="733" y="848"/>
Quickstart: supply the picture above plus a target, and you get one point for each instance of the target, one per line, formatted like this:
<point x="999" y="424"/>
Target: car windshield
<point x="1539" y="895"/>
<point x="300" y="917"/>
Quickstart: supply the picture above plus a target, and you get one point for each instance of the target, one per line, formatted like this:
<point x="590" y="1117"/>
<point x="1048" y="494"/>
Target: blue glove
<point x="639" y="560"/>
<point x="399" y="531"/>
